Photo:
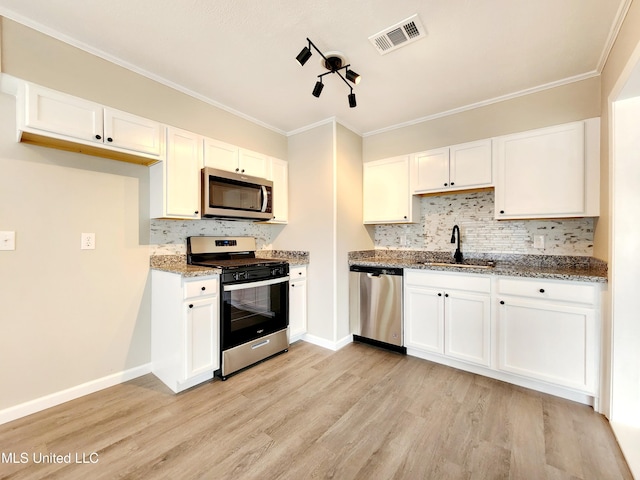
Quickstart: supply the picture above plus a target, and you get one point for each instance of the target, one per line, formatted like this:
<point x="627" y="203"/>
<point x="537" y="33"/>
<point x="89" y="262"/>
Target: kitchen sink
<point x="478" y="264"/>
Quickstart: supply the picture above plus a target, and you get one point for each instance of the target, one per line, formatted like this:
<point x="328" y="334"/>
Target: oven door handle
<point x="262" y="283"/>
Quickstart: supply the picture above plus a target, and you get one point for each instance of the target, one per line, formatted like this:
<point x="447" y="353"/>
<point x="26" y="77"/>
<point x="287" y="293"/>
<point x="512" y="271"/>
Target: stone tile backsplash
<point x="472" y="212"/>
<point x="481" y="233"/>
<point x="169" y="237"/>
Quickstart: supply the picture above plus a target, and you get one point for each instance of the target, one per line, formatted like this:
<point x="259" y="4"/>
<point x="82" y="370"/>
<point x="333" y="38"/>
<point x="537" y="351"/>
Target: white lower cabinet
<point x="185" y="327"/>
<point x="297" y="302"/>
<point x="448" y="314"/>
<point x="549" y="331"/>
<point x="538" y="333"/>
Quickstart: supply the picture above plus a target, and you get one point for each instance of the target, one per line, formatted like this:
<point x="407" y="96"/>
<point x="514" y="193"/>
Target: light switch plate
<point x="7" y="240"/>
<point x="538" y="241"/>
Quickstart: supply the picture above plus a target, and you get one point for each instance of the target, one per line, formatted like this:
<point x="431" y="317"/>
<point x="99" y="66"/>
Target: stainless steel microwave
<point x="234" y="195"/>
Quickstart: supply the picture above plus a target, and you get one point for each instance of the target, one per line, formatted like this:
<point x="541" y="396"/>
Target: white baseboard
<point x="53" y="399"/>
<point x="532" y="384"/>
<point x="328" y="344"/>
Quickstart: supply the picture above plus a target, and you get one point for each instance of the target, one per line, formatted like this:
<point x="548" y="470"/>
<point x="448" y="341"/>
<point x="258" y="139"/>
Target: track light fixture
<point x="333" y="63"/>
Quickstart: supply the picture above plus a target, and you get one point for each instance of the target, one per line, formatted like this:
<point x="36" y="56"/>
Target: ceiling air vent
<point x="398" y="35"/>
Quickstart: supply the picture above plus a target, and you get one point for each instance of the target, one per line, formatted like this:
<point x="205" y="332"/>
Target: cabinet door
<point x="131" y="132"/>
<point x="386" y="197"/>
<point x="182" y="174"/>
<point x="468" y="327"/>
<point x="201" y="349"/>
<point x="430" y="171"/>
<point x="297" y="308"/>
<point x="253" y="163"/>
<point x="549" y="342"/>
<point x="223" y="156"/>
<point x="63" y="114"/>
<point x="280" y="177"/>
<point x="470" y="165"/>
<point x="541" y="173"/>
<point x="424" y="313"/>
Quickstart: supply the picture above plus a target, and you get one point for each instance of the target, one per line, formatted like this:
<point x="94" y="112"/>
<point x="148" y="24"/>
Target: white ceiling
<point x="239" y="54"/>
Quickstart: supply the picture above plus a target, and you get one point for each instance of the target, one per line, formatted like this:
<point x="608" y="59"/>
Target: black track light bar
<point x="352" y="76"/>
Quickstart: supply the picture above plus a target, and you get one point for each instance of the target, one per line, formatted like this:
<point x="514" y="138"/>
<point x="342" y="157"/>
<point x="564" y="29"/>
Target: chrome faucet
<point x="458" y="255"/>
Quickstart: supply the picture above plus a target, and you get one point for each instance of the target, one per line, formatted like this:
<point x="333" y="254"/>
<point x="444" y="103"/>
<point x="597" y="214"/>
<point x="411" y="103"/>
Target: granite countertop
<point x="178" y="263"/>
<point x="575" y="268"/>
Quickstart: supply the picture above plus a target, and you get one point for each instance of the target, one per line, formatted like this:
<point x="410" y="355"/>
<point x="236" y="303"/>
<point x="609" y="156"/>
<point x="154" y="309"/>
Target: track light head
<point x="303" y="56"/>
<point x="317" y="90"/>
<point x="353" y="76"/>
<point x="352" y="100"/>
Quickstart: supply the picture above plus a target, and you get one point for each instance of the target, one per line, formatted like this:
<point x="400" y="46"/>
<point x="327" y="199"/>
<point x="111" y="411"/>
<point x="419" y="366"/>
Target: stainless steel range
<point x="254" y="306"/>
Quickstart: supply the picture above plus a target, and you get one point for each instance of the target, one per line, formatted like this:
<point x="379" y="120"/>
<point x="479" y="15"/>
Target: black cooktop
<point x="235" y="263"/>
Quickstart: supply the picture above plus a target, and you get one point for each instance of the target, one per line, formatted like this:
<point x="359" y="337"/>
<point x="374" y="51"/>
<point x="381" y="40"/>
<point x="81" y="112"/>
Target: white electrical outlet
<point x="87" y="241"/>
<point x="7" y="240"/>
<point x="538" y="242"/>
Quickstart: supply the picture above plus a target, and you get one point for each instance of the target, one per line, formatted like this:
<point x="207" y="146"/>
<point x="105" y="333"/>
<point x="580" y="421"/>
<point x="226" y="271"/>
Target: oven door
<point x="253" y="310"/>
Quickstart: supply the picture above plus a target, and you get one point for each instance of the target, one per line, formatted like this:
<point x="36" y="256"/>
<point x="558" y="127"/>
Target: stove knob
<point x="236" y="276"/>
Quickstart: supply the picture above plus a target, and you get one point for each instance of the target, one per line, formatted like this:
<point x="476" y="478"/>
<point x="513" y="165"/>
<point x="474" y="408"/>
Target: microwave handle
<point x="264" y="199"/>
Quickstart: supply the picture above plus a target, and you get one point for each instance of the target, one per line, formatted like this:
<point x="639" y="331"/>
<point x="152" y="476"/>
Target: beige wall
<point x="310" y="225"/>
<point x="68" y="316"/>
<point x="33" y="56"/>
<point x="325" y="219"/>
<point x="626" y="41"/>
<point x="567" y="103"/>
<point x="351" y="234"/>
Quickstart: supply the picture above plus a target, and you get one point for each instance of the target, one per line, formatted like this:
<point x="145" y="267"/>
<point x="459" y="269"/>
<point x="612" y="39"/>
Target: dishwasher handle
<point x="376" y="271"/>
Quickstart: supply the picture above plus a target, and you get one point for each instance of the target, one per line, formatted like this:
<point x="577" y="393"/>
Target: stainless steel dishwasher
<point x="375" y="304"/>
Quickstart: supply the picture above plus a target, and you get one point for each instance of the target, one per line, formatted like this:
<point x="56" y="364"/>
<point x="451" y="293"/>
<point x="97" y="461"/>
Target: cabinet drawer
<point x="200" y="288"/>
<point x="549" y="290"/>
<point x="297" y="272"/>
<point x="456" y="281"/>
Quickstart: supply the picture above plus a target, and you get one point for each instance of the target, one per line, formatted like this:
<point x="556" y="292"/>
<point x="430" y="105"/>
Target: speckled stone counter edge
<point x="178" y="263"/>
<point x="576" y="268"/>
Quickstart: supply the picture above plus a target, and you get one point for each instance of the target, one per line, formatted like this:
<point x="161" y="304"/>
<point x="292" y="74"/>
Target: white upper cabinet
<point x="458" y="167"/>
<point x="223" y="156"/>
<point x="253" y="163"/>
<point x="430" y="171"/>
<point x="58" y="120"/>
<point x="131" y="132"/>
<point x="279" y="175"/>
<point x="386" y="195"/>
<point x="63" y="114"/>
<point x="549" y="173"/>
<point x="175" y="183"/>
<point x="231" y="158"/>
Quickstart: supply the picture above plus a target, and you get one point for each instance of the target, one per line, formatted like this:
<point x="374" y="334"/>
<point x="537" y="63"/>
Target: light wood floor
<point x="359" y="413"/>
